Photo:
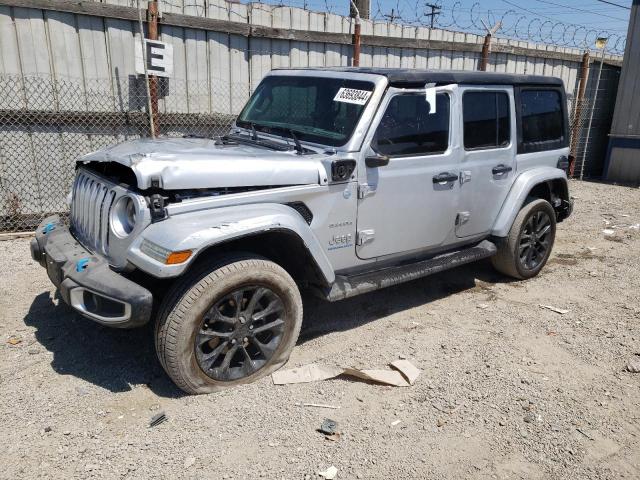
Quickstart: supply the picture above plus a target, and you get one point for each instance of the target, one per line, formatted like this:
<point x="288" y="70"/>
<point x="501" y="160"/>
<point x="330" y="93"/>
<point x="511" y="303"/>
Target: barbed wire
<point x="521" y="24"/>
<point x="518" y="23"/>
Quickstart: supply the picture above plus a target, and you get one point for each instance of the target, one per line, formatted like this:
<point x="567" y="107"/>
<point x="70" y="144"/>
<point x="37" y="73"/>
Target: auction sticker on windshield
<point x="352" y="95"/>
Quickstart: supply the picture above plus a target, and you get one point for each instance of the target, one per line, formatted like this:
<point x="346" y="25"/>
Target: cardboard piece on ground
<point x="407" y="369"/>
<point x="404" y="375"/>
<point x="386" y="377"/>
<point x="305" y="374"/>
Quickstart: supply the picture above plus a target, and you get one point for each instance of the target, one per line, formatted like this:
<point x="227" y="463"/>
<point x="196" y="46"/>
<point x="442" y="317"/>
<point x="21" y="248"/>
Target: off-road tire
<point x="506" y="261"/>
<point x="182" y="312"/>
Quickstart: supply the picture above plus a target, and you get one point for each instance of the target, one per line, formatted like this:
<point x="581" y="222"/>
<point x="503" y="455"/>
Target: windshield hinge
<point x="365" y="236"/>
<point x="364" y="190"/>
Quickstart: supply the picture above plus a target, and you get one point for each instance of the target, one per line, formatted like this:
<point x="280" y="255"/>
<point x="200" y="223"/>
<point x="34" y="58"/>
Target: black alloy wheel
<point x="534" y="240"/>
<point x="240" y="333"/>
<point x="527" y="247"/>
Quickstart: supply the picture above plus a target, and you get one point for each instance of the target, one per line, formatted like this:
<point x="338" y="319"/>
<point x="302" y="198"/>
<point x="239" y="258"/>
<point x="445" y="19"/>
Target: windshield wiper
<point x="254" y="135"/>
<point x="299" y="148"/>
<point x="292" y="133"/>
<point x="253" y="139"/>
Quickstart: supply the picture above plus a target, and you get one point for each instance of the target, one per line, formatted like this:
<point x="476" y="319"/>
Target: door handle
<point x="501" y="169"/>
<point x="445" y="177"/>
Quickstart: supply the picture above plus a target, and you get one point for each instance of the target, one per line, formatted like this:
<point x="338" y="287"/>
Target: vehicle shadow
<point x="117" y="359"/>
<point x="323" y="317"/>
<point x="110" y="358"/>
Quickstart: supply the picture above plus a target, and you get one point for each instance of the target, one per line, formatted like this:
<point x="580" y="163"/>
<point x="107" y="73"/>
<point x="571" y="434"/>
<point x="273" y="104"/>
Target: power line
<point x="529" y="11"/>
<point x="614" y="4"/>
<point x="580" y="10"/>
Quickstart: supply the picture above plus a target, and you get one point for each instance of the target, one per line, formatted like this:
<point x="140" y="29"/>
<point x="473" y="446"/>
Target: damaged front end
<point x="193" y="164"/>
<point x="121" y="190"/>
<point x="173" y="170"/>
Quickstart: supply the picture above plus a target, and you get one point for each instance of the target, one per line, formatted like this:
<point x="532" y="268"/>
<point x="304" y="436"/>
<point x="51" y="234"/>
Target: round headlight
<point x="123" y="216"/>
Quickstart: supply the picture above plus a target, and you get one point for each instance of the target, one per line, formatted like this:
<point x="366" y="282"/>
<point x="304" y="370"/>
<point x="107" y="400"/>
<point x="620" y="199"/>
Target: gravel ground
<point x="508" y="389"/>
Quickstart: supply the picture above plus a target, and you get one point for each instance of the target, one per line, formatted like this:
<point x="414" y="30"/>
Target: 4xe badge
<point x="340" y="241"/>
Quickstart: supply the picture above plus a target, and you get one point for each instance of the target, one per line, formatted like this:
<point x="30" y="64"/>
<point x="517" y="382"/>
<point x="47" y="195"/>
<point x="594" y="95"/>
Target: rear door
<point x="488" y="166"/>
<point x="410" y="203"/>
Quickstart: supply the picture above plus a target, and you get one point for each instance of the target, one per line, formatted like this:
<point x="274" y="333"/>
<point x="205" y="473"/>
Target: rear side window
<point x="487" y="122"/>
<point x="541" y="113"/>
<point x="408" y="126"/>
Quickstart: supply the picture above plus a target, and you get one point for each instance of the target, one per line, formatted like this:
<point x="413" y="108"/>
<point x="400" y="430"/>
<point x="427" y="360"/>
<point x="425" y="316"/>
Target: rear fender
<point x="197" y="231"/>
<point x="519" y="192"/>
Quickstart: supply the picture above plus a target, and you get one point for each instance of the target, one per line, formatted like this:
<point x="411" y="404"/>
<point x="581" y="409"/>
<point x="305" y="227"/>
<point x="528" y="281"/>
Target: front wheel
<point x="228" y="323"/>
<point x="528" y="245"/>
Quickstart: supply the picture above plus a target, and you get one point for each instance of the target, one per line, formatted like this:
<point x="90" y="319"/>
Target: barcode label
<point x="351" y="95"/>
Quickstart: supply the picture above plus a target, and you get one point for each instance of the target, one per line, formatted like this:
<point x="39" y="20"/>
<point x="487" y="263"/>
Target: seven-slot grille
<point x="91" y="203"/>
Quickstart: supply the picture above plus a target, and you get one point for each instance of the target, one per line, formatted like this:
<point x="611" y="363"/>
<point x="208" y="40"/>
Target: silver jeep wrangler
<point x="341" y="181"/>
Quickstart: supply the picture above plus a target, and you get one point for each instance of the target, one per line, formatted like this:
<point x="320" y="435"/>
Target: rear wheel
<point x="227" y="324"/>
<point x="528" y="246"/>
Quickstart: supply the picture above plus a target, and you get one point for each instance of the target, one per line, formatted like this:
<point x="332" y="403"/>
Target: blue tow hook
<point x="82" y="264"/>
<point x="48" y="227"/>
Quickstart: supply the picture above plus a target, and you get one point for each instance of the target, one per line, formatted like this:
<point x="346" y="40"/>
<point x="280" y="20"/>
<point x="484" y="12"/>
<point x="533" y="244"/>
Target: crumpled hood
<point x="186" y="163"/>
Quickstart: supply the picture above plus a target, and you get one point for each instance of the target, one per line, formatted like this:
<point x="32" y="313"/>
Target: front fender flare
<point x="521" y="187"/>
<point x="199" y="230"/>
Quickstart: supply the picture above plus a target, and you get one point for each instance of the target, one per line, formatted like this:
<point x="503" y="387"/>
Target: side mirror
<point x="376" y="161"/>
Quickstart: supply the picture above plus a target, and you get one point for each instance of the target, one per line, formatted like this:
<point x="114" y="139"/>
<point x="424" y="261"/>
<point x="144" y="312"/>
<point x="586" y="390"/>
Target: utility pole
<point x="392" y="17"/>
<point x="435" y="10"/>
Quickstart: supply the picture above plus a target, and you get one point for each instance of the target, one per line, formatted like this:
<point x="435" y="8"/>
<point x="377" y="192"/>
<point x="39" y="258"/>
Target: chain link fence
<point x="591" y="119"/>
<point x="46" y="124"/>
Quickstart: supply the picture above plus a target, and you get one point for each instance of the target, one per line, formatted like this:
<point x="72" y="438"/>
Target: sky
<point x="587" y="17"/>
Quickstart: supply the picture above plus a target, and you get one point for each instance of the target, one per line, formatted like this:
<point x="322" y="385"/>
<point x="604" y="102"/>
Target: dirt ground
<point x="508" y="389"/>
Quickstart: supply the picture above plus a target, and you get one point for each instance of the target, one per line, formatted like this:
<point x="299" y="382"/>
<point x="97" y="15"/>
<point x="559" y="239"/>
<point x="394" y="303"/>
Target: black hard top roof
<point x="404" y="77"/>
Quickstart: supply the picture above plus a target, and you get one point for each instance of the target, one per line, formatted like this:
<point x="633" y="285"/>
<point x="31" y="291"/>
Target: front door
<point x="410" y="203"/>
<point x="488" y="165"/>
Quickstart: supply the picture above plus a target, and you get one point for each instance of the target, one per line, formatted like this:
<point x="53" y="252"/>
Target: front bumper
<point x="86" y="282"/>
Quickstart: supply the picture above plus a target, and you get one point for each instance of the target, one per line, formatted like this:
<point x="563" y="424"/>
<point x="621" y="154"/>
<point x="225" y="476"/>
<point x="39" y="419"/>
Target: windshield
<point x="316" y="109"/>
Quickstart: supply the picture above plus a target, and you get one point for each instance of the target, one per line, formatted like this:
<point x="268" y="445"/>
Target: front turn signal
<point x="175" y="258"/>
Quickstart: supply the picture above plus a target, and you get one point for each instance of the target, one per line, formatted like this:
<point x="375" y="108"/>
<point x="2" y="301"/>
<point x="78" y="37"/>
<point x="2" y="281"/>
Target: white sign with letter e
<point x="159" y="57"/>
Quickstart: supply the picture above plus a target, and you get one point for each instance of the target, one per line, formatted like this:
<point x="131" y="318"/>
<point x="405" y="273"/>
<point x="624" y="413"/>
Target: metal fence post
<point x="484" y="60"/>
<point x="152" y="22"/>
<point x="593" y="106"/>
<point x="577" y="112"/>
<point x="486" y="46"/>
<point x="356" y="36"/>
<point x="146" y="73"/>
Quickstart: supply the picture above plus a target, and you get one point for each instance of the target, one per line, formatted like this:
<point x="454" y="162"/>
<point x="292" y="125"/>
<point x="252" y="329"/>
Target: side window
<point x="542" y="118"/>
<point x="487" y="122"/>
<point x="407" y="127"/>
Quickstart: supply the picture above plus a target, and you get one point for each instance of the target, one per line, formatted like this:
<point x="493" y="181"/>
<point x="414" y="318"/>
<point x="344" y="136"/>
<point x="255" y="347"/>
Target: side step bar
<point x="350" y="286"/>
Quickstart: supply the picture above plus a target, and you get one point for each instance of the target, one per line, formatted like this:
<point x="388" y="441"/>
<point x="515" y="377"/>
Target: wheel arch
<point x="281" y="246"/>
<point x="546" y="183"/>
<point x="274" y="231"/>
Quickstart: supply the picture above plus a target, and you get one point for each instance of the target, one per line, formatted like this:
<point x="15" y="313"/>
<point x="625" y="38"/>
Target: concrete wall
<point x="76" y="59"/>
